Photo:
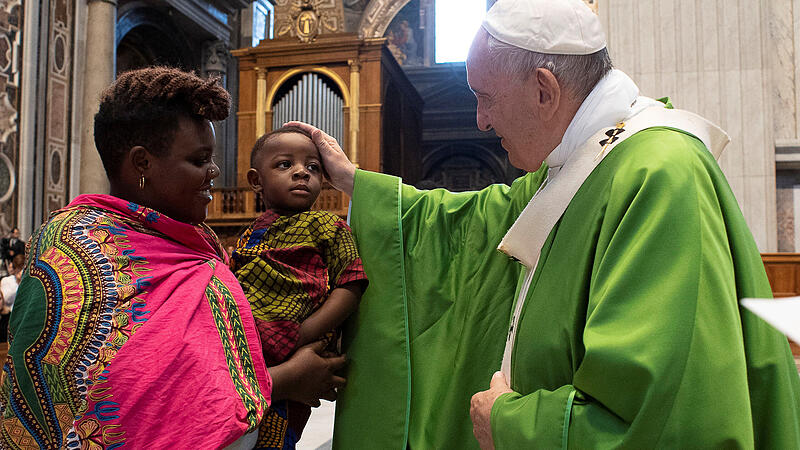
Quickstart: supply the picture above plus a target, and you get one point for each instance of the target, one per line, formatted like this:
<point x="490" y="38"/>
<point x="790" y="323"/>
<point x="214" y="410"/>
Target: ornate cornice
<point x="207" y="15"/>
<point x="378" y="15"/>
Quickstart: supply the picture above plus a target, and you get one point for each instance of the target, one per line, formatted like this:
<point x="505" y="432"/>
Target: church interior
<point x="367" y="72"/>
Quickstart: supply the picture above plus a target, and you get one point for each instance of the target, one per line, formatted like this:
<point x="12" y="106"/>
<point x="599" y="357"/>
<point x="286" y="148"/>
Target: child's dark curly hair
<point x="261" y="143"/>
<point x="142" y="107"/>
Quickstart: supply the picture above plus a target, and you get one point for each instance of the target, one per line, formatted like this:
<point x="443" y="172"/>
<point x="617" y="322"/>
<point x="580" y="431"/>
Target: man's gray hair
<point x="576" y="73"/>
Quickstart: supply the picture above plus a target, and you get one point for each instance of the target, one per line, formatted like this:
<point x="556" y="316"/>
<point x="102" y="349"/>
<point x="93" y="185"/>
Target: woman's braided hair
<point x="142" y="107"/>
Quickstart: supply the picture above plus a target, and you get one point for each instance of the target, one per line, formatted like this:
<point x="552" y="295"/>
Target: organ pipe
<point x="313" y="101"/>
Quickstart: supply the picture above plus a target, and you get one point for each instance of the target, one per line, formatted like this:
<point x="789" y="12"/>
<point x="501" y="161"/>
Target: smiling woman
<point x="135" y="278"/>
<point x="184" y="175"/>
<point x="159" y="151"/>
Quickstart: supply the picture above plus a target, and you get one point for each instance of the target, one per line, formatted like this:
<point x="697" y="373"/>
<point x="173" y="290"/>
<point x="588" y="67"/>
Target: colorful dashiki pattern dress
<point x="287" y="266"/>
<point x="129" y="331"/>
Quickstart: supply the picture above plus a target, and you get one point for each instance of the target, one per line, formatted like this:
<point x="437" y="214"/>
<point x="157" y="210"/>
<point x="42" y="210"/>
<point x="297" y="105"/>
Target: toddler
<point x="299" y="268"/>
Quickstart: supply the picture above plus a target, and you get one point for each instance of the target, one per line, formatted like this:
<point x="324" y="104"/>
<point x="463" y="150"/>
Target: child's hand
<point x="308" y="376"/>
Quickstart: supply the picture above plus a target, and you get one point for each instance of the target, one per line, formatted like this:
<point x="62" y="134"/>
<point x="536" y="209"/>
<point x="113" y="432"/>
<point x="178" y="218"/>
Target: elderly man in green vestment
<point x="611" y="307"/>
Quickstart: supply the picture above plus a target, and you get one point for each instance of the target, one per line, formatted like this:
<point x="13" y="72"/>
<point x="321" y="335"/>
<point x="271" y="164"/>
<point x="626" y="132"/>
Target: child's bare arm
<point x="341" y="302"/>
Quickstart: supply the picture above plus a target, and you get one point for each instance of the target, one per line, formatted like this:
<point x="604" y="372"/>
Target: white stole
<point x="525" y="238"/>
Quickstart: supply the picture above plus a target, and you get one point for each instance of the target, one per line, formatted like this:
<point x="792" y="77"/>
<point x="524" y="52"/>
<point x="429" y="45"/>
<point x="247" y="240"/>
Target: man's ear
<point x="140" y="159"/>
<point x="549" y="93"/>
<point x="254" y="180"/>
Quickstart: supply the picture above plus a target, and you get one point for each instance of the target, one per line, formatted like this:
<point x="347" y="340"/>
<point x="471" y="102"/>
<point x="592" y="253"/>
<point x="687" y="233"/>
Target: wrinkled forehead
<point x="477" y="63"/>
<point x="478" y="49"/>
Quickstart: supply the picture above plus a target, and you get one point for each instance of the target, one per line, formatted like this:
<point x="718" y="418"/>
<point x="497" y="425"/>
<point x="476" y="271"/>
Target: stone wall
<point x="712" y="57"/>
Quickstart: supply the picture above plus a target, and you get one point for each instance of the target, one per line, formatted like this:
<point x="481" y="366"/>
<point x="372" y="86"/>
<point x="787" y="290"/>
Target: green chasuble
<point x="631" y="334"/>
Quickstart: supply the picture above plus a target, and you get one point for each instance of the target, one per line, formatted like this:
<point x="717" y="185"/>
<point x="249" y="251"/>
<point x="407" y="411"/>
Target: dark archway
<point x="461" y="167"/>
<point x="147" y="36"/>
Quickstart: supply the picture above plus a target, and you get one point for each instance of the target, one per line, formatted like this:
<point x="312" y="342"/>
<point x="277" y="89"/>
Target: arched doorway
<point x="147" y="36"/>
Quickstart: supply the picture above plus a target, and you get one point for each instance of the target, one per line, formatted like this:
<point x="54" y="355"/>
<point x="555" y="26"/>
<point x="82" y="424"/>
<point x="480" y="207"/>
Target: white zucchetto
<point x="561" y="27"/>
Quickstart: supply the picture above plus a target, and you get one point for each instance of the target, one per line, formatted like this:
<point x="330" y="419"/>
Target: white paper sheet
<point x="781" y="313"/>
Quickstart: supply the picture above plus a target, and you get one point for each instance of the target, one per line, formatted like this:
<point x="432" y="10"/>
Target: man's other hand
<point x="480" y="409"/>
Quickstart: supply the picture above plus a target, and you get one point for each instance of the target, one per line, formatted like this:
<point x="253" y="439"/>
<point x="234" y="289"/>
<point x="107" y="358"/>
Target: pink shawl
<point x="148" y="340"/>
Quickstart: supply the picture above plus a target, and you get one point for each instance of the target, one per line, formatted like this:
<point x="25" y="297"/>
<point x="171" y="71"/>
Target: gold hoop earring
<point x="141" y="182"/>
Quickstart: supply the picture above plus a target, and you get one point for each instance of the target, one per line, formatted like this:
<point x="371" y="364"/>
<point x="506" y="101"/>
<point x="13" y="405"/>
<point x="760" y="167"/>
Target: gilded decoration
<point x="306" y="19"/>
<point x="377" y="17"/>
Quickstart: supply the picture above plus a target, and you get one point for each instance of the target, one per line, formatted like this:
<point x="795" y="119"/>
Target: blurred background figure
<point x="8" y="292"/>
<point x="11" y="246"/>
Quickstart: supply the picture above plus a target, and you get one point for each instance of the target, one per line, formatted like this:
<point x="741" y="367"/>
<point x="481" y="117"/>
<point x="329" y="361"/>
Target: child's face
<point x="288" y="173"/>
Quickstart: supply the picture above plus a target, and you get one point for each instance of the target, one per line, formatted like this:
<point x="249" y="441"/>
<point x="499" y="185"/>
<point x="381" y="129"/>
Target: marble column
<point x="98" y="73"/>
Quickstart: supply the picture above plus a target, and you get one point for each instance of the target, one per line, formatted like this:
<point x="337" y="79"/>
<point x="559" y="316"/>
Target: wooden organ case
<point x="352" y="88"/>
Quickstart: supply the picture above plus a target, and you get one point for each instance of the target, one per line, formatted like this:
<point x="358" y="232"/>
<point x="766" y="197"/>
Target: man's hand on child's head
<point x="338" y="169"/>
